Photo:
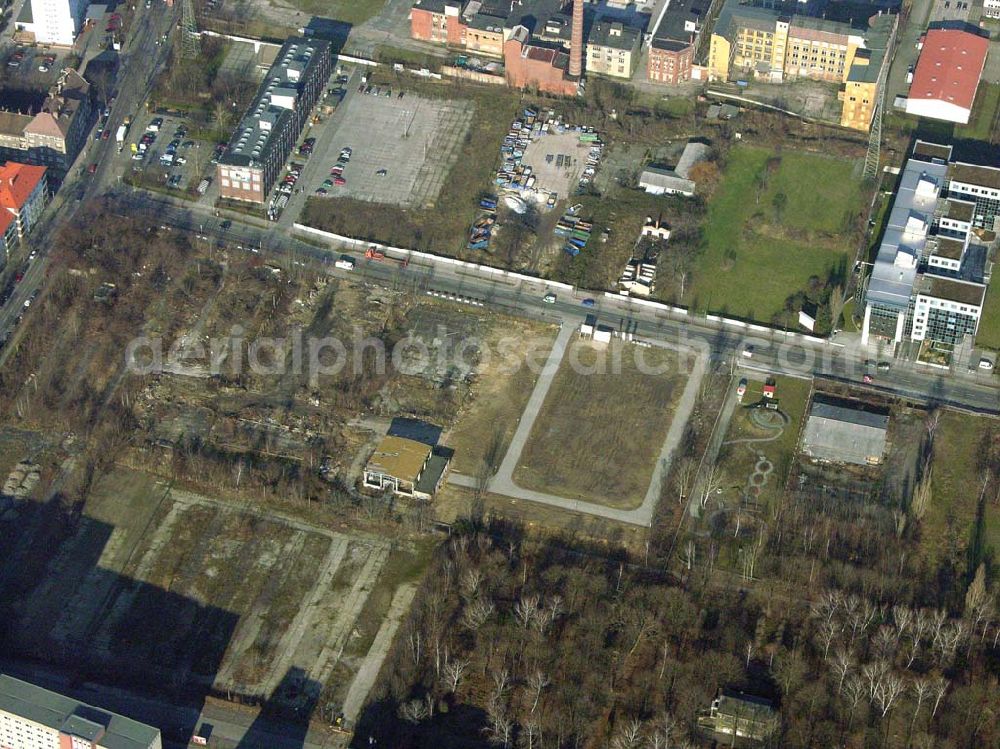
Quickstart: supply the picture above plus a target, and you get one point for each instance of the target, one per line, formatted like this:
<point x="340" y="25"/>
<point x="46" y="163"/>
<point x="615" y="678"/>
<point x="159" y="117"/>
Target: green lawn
<point x="989" y="325"/>
<point x="754" y="258"/>
<point x="984" y="112"/>
<point x="349" y="11"/>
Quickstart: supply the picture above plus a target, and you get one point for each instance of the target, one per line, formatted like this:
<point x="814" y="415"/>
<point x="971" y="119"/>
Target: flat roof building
<point x="406" y="467"/>
<point x="268" y="131"/>
<point x="35" y="718"/>
<point x="928" y="281"/>
<point x="842" y="431"/>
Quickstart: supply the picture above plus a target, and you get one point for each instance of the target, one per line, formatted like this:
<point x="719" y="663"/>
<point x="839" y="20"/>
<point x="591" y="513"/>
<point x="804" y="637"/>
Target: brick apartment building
<point x="266" y="135"/>
<point x="54" y="135"/>
<point x="35" y="718"/>
<point x="671" y="52"/>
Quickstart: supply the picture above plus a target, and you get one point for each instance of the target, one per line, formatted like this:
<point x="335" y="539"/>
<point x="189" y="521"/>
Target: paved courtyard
<point x="414" y="140"/>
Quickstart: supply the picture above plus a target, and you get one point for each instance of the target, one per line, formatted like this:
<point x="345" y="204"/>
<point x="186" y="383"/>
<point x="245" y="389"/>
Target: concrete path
<point x="503" y="482"/>
<point x="364" y="679"/>
<point x="504" y="478"/>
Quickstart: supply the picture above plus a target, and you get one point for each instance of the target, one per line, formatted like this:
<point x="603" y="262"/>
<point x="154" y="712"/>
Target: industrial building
<point x="929" y="278"/>
<point x="843" y="431"/>
<point x="266" y="135"/>
<point x="56" y="22"/>
<point x="947" y="74"/>
<point x="35" y="718"/>
<point x="752" y="41"/>
<point x="676" y="181"/>
<point x="54" y="135"/>
<point x="546" y="45"/>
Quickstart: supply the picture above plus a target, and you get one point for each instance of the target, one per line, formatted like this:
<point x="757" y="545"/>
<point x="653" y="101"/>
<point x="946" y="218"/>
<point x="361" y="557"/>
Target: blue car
<point x="588" y="303"/>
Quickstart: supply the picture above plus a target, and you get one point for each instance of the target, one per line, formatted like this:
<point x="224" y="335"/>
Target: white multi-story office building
<point x="55" y="22"/>
<point x="35" y="718"/>
<point x="929" y="279"/>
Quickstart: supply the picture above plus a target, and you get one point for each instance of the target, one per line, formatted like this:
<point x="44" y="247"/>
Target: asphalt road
<point x="771" y="351"/>
<point x="141" y="60"/>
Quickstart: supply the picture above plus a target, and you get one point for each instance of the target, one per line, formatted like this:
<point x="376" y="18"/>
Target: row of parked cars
<point x="336" y="173"/>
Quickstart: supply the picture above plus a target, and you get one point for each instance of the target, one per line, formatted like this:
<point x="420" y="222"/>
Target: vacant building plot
<point x="166" y="586"/>
<point x="504" y="381"/>
<point x="402" y="147"/>
<point x="604" y="421"/>
<point x="769" y="230"/>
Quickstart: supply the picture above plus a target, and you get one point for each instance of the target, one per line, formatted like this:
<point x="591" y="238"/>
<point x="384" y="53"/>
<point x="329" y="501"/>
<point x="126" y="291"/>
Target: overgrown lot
<point x="780" y="224"/>
<point x="599" y="432"/>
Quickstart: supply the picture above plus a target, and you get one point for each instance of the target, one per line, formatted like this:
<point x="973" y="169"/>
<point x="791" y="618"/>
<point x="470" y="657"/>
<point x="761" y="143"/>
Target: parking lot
<point x="402" y="147"/>
<point x="171" y="158"/>
<point x="557" y="161"/>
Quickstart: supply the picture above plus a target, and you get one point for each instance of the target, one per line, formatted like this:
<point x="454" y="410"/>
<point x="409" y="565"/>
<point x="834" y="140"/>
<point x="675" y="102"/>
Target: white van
<point x="344" y="262"/>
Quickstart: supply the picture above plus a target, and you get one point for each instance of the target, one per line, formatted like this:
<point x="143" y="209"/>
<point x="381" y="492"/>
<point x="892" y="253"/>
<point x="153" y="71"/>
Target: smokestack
<point x="576" y="41"/>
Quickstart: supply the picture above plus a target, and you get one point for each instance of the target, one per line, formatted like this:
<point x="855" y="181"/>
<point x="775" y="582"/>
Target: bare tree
<point x="470" y="583"/>
<point x="689" y="551"/>
<point x="837" y="303"/>
<point x="841" y="664"/>
<point x="939" y="687"/>
<point x="454" y="670"/>
<point x="477" y="612"/>
<point x="628" y="736"/>
<point x="414" y="711"/>
<point x="526" y="609"/>
<point x="921" y="688"/>
<point x="922" y="496"/>
<point x="537" y="682"/>
<point x="889" y="688"/>
<point x="684" y="475"/>
<point x="828" y="630"/>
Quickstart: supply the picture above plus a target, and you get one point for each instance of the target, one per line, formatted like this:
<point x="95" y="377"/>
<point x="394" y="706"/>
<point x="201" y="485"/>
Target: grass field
<point x="598" y="435"/>
<point x="753" y="260"/>
<point x="738" y="457"/>
<point x="988" y="334"/>
<point x="984" y="114"/>
<point x="949" y="525"/>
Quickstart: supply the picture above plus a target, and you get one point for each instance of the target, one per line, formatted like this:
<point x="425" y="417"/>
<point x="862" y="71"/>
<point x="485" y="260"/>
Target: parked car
<point x="339" y="181"/>
<point x="588" y="303"/>
<point x="883" y="366"/>
<point x="986" y="364"/>
<point x="549" y="298"/>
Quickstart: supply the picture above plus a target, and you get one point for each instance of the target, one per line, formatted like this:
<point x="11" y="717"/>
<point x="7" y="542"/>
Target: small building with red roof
<point x="23" y="193"/>
<point x="947" y="74"/>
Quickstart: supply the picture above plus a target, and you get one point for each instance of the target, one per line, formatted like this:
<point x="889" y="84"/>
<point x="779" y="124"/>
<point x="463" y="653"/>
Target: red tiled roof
<point x="949" y="67"/>
<point x="16" y="183"/>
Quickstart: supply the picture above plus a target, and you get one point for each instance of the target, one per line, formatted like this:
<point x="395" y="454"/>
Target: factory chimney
<point x="576" y="41"/>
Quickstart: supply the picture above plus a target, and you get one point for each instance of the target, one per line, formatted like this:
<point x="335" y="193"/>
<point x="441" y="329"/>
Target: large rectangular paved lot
<point x="415" y="140"/>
